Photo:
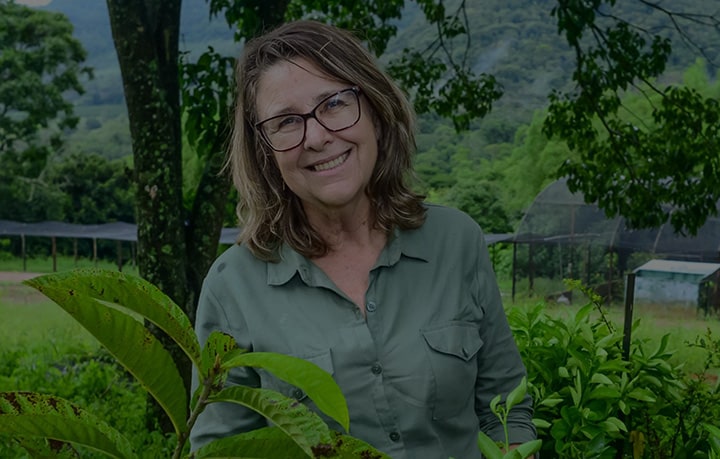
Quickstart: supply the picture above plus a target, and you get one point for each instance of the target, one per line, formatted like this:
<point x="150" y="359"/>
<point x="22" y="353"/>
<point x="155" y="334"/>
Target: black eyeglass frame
<point x="311" y="114"/>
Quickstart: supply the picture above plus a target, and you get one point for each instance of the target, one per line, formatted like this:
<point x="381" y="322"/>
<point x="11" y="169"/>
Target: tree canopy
<point x="40" y="67"/>
<point x="648" y="170"/>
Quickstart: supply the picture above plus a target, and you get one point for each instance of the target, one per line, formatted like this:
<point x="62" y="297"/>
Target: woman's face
<point x="328" y="171"/>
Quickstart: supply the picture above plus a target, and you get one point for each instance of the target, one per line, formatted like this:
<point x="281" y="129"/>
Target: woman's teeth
<point x="330" y="164"/>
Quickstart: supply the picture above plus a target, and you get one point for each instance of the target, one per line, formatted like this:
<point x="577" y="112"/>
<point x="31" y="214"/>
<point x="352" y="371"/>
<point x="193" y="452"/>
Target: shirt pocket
<point x="452" y="349"/>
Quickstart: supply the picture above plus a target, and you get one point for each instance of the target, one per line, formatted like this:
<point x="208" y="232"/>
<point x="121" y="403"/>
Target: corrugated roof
<point x="122" y="231"/>
<point x="676" y="266"/>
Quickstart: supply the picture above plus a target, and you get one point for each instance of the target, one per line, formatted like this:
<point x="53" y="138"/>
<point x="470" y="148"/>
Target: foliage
<point x="646" y="169"/>
<point x="591" y="403"/>
<point x="95" y="189"/>
<point x="502" y="410"/>
<point x="40" y="67"/>
<point x="112" y="306"/>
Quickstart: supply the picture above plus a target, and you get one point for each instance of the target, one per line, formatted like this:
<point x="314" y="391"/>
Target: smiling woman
<point x="340" y="263"/>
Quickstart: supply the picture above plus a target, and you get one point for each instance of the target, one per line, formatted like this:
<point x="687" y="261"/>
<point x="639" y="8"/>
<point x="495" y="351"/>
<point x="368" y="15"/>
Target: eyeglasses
<point x="335" y="113"/>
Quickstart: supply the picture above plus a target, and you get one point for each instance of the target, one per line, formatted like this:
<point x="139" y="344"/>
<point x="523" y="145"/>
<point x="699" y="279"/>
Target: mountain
<point x="514" y="40"/>
<point x="92" y="28"/>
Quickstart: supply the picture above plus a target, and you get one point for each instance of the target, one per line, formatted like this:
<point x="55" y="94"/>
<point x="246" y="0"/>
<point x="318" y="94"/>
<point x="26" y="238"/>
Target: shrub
<point x="590" y="402"/>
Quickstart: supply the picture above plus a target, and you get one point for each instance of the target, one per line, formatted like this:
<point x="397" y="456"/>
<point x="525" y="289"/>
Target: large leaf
<point x="28" y="414"/>
<point x="313" y="380"/>
<point x="132" y="344"/>
<point x="294" y="419"/>
<point x="270" y="442"/>
<point x="130" y="292"/>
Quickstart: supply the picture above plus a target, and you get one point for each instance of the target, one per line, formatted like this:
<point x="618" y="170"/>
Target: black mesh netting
<point x="560" y="216"/>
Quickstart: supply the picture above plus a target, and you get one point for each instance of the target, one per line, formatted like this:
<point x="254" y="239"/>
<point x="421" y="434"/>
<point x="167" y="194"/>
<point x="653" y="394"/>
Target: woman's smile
<point x="331" y="164"/>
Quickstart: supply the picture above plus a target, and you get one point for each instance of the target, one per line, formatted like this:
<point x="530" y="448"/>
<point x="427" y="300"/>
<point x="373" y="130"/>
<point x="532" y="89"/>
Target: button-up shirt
<point x="418" y="370"/>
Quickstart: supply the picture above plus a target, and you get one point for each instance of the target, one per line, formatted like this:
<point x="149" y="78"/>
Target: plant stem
<point x="199" y="408"/>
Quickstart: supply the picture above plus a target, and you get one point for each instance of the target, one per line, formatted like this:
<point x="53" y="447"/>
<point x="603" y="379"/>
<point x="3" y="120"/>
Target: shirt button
<point x="370" y="307"/>
<point x="394" y="436"/>
<point x="376" y="369"/>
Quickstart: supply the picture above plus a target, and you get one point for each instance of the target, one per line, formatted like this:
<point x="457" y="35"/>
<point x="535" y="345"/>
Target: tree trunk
<point x="175" y="247"/>
<point x="145" y="33"/>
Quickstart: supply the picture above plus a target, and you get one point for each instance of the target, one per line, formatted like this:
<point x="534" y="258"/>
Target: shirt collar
<point x="408" y="243"/>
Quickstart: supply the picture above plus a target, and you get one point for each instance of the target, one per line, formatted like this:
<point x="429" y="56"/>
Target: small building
<point x="678" y="283"/>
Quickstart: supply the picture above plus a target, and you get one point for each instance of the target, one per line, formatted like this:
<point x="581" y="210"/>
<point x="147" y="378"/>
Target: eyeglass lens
<point x="335" y="113"/>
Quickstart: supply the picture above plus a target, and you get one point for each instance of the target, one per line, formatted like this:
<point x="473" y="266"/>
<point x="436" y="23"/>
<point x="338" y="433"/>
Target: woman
<point x="342" y="264"/>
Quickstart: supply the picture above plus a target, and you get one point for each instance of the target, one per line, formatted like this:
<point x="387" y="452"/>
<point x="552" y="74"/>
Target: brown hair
<point x="271" y="214"/>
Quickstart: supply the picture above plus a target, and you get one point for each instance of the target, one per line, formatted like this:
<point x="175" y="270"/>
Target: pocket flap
<point x="459" y="339"/>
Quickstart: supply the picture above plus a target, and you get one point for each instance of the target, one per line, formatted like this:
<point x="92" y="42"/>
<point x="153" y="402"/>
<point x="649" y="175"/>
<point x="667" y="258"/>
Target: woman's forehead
<point x="293" y="86"/>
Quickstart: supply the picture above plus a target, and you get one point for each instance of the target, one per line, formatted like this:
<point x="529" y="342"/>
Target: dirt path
<point x="15" y="276"/>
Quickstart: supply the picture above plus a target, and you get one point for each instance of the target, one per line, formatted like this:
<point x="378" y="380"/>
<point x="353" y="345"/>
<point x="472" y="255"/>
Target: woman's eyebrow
<point x="292" y="110"/>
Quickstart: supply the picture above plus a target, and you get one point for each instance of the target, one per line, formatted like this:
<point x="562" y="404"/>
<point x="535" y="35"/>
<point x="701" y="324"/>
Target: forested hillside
<point x="514" y="40"/>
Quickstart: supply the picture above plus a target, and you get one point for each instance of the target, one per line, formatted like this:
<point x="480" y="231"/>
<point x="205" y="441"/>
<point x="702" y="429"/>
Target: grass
<point x="63" y="263"/>
<point x="29" y="318"/>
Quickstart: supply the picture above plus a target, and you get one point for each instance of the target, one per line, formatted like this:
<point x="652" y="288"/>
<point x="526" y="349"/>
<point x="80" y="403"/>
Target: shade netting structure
<point x="560" y="217"/>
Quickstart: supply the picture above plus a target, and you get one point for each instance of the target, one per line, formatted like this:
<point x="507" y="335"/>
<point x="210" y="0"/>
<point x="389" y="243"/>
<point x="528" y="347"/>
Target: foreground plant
<point x="593" y="401"/>
<point x="493" y="450"/>
<point x="114" y="307"/>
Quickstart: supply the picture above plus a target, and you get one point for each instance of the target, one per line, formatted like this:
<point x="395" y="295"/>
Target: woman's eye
<point x="335" y="103"/>
<point x="288" y="122"/>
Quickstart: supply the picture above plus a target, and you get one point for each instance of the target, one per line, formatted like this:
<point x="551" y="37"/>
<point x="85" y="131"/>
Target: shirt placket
<point x="375" y="335"/>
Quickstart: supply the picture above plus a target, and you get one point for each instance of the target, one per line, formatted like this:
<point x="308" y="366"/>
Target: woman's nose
<point x="316" y="135"/>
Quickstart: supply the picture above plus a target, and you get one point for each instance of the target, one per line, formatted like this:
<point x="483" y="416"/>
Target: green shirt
<point x="418" y="372"/>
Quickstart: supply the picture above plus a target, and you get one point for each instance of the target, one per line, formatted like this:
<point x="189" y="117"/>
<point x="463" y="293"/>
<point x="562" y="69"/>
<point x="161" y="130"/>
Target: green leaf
<point x="517" y="394"/>
<point x="603" y="393"/>
<point x="541" y="423"/>
<point x="36" y="415"/>
<point x="599" y="378"/>
<point x="550" y="402"/>
<point x="488" y="447"/>
<point x="613" y="424"/>
<point x="494" y="403"/>
<point x="313" y="380"/>
<point x="305" y="428"/>
<point x="613" y="365"/>
<point x="130" y="292"/>
<point x="582" y="314"/>
<point x="643" y="395"/>
<point x="529" y="448"/>
<point x="217" y="347"/>
<point x="268" y="442"/>
<point x="131" y="343"/>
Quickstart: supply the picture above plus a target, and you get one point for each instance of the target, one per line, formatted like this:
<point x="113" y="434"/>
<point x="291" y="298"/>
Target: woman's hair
<point x="269" y="212"/>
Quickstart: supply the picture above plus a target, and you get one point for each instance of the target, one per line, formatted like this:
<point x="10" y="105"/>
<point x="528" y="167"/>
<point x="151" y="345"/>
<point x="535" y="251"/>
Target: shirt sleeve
<point x="222" y="419"/>
<point x="500" y="367"/>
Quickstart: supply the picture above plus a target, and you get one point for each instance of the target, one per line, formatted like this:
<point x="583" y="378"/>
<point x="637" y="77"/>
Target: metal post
<point x="629" y="302"/>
